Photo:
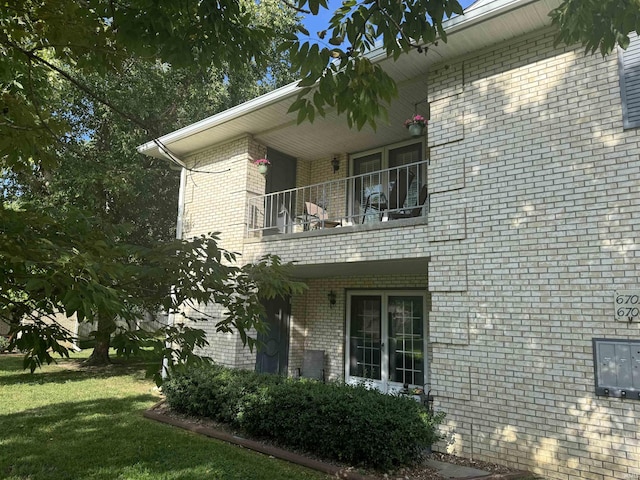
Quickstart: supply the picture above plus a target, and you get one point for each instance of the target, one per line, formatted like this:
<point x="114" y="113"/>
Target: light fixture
<point x="335" y="163"/>
<point x="332" y="298"/>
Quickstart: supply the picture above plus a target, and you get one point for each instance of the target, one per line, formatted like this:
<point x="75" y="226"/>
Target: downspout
<point x="171" y="319"/>
<point x="181" y="194"/>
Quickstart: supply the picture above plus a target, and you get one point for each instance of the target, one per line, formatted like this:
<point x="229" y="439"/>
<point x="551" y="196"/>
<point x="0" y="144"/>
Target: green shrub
<point x="4" y="343"/>
<point x="348" y="423"/>
<point x="336" y="421"/>
<point x="215" y="392"/>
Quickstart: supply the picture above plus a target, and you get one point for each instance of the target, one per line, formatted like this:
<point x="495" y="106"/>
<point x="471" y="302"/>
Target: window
<point x="387" y="157"/>
<point x="376" y="172"/>
<point x="386" y="341"/>
<point x="629" y="66"/>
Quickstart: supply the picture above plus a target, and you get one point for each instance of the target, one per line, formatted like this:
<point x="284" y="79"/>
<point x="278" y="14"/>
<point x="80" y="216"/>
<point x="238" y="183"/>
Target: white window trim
<point x="385" y="385"/>
<point x="630" y="118"/>
<point x="384" y="151"/>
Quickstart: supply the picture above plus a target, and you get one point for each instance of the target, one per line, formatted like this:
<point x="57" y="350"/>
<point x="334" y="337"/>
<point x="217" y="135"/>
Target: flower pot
<point x="263" y="169"/>
<point x="416" y="129"/>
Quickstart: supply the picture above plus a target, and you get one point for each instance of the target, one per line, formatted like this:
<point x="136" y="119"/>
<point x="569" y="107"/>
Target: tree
<point x="67" y="264"/>
<point x="98" y="169"/>
<point x="54" y="262"/>
<point x="598" y="25"/>
<point x="95" y="177"/>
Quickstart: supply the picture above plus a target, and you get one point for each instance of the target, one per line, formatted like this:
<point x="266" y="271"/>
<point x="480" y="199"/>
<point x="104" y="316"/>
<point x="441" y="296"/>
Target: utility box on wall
<point x="617" y="368"/>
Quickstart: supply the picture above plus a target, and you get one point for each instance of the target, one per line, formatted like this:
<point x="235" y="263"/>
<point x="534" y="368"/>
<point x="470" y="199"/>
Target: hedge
<point x="336" y="421"/>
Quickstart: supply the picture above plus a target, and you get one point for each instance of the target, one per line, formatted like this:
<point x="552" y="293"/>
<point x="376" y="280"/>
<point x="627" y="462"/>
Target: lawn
<point x="68" y="422"/>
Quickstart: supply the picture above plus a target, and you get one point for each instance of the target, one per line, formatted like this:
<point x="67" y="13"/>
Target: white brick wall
<point x="551" y="197"/>
<point x="532" y="225"/>
<point x="216" y="193"/>
<point x="319" y="326"/>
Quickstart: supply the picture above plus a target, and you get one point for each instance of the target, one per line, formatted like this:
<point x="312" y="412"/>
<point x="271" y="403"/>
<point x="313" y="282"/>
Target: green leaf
<point x="303" y="30"/>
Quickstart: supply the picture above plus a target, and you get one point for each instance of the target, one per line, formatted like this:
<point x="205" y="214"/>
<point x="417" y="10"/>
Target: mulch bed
<point x="162" y="413"/>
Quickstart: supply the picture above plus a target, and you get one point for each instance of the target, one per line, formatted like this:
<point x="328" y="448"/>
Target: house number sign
<point x="627" y="305"/>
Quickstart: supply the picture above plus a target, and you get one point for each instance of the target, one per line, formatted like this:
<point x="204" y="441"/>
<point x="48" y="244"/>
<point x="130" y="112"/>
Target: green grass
<point x="68" y="422"/>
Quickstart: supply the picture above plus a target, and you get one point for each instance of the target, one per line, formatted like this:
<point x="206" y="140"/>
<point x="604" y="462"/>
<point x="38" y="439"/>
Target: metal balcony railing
<point x="382" y="195"/>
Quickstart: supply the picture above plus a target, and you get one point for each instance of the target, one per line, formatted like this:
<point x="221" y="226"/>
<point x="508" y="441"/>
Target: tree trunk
<point x="100" y="354"/>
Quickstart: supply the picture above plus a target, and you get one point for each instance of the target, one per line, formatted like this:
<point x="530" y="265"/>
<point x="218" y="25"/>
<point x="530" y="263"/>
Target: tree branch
<point x="398" y="27"/>
<point x="36" y="104"/>
<point x="294" y="7"/>
<point x="79" y="85"/>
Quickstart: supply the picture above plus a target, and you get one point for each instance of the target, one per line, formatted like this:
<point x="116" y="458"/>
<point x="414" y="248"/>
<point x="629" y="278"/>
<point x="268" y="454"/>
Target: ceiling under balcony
<point x="485" y="23"/>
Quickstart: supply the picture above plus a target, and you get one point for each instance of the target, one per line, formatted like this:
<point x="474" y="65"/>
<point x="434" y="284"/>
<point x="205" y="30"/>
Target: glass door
<point x="365" y="337"/>
<point x="369" y="188"/>
<point x="406" y="339"/>
<point x="386" y="352"/>
<point x="398" y="157"/>
<point x="280" y="206"/>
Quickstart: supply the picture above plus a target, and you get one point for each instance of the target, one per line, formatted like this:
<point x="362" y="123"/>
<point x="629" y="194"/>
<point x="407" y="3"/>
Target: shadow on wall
<point x="543" y="227"/>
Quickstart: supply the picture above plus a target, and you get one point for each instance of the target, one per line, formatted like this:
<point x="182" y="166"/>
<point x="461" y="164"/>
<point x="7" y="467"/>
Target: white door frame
<point x="384" y="384"/>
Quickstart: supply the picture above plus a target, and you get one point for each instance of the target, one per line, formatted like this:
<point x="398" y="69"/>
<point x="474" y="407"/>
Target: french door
<point x="386" y="339"/>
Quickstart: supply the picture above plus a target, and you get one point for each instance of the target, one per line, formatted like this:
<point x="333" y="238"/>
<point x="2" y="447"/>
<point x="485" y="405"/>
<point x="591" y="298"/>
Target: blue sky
<point x="316" y="23"/>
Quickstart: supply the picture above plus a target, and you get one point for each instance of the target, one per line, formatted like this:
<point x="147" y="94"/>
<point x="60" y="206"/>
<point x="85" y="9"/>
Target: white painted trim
<point x="230" y="114"/>
<point x="472" y="17"/>
<point x="384" y="384"/>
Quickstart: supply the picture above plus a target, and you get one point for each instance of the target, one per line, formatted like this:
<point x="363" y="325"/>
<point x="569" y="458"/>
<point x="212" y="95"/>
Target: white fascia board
<point x="219" y="118"/>
<point x="483" y="12"/>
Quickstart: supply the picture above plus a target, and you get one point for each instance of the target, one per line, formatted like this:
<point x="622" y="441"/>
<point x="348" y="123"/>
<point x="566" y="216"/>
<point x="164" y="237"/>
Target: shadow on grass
<point x="109" y="439"/>
<point x="70" y="370"/>
<point x="68" y="440"/>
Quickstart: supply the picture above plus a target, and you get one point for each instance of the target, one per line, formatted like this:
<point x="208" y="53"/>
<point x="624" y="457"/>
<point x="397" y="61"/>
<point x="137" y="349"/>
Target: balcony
<point x="367" y="199"/>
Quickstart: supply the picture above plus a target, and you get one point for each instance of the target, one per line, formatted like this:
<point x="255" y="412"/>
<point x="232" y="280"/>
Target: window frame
<point x="385" y="384"/>
<point x="384" y="151"/>
<point x="627" y="60"/>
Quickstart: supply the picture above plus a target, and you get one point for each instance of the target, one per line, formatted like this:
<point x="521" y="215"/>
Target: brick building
<point x="500" y="285"/>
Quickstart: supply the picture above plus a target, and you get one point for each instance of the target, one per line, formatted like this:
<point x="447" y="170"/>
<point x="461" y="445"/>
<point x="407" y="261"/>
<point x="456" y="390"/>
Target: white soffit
<point x="485" y="23"/>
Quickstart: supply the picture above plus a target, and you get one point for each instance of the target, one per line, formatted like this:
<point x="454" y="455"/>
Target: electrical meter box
<point x="617" y="368"/>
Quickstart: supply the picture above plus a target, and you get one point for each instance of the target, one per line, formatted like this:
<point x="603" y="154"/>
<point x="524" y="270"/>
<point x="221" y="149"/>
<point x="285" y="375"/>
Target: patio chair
<point x="312" y="365"/>
<point x="411" y="212"/>
<point x="375" y="201"/>
<point x="319" y="218"/>
<point x="283" y="221"/>
<point x="399" y="187"/>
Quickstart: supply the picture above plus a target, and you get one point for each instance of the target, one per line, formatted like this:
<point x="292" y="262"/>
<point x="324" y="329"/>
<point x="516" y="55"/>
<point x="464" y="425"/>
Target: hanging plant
<point x="415" y="125"/>
<point x="416" y="119"/>
<point x="262" y="164"/>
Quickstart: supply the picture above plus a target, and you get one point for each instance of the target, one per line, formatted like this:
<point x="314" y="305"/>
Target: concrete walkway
<point x="460" y="472"/>
<point x="448" y="470"/>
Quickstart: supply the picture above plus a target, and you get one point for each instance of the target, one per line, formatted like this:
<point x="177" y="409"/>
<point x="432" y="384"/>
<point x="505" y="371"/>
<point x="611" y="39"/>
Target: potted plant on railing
<point x="263" y="165"/>
<point x="415" y="125"/>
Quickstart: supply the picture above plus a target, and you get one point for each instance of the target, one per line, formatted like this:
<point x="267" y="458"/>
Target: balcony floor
<point x="348" y="229"/>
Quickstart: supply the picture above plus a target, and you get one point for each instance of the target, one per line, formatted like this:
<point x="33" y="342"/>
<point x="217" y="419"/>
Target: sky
<point x="316" y="23"/>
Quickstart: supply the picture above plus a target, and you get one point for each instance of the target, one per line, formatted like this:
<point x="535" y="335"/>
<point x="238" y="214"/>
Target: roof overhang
<point x="485" y="23"/>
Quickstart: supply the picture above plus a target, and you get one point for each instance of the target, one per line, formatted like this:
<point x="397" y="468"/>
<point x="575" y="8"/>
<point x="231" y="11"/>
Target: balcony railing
<point x="383" y="195"/>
